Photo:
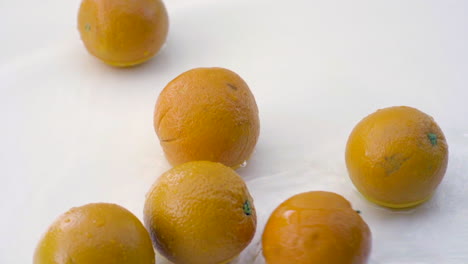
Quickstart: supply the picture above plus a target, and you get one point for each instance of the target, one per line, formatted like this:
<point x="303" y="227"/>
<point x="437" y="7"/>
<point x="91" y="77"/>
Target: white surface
<point x="76" y="131"/>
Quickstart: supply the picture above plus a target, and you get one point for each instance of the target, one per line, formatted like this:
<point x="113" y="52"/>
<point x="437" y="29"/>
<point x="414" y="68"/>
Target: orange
<point x="200" y="213"/>
<point x="316" y="227"/>
<point x="97" y="233"/>
<point x="207" y="114"/>
<point x="123" y="32"/>
<point x="397" y="156"/>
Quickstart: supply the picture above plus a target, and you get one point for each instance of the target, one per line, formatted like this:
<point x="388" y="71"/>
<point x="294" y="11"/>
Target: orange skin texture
<point x="123" y="32"/>
<point x="96" y="234"/>
<point x="207" y="114"/>
<point x="397" y="156"/>
<point x="316" y="227"/>
<point x="195" y="214"/>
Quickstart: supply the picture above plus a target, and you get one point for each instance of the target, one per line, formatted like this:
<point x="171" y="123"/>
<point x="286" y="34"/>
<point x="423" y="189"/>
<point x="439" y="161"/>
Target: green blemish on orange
<point x="247" y="208"/>
<point x="433" y="138"/>
<point x="87" y="27"/>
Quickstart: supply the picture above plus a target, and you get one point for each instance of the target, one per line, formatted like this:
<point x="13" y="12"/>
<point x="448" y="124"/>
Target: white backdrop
<point x="75" y="131"/>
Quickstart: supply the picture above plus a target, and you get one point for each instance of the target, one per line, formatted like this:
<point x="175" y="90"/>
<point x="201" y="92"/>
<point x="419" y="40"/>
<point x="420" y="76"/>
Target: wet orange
<point x="207" y="114"/>
<point x="200" y="213"/>
<point x="96" y="234"/>
<point x="316" y="227"/>
<point x="397" y="156"/>
<point x="123" y="32"/>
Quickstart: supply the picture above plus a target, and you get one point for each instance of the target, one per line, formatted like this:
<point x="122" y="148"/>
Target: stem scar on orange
<point x="397" y="156"/>
<point x="122" y="32"/>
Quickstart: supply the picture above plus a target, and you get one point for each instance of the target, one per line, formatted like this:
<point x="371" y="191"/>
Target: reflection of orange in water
<point x="122" y="32"/>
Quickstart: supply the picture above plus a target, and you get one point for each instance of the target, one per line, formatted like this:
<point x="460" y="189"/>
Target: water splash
<point x="244" y="164"/>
